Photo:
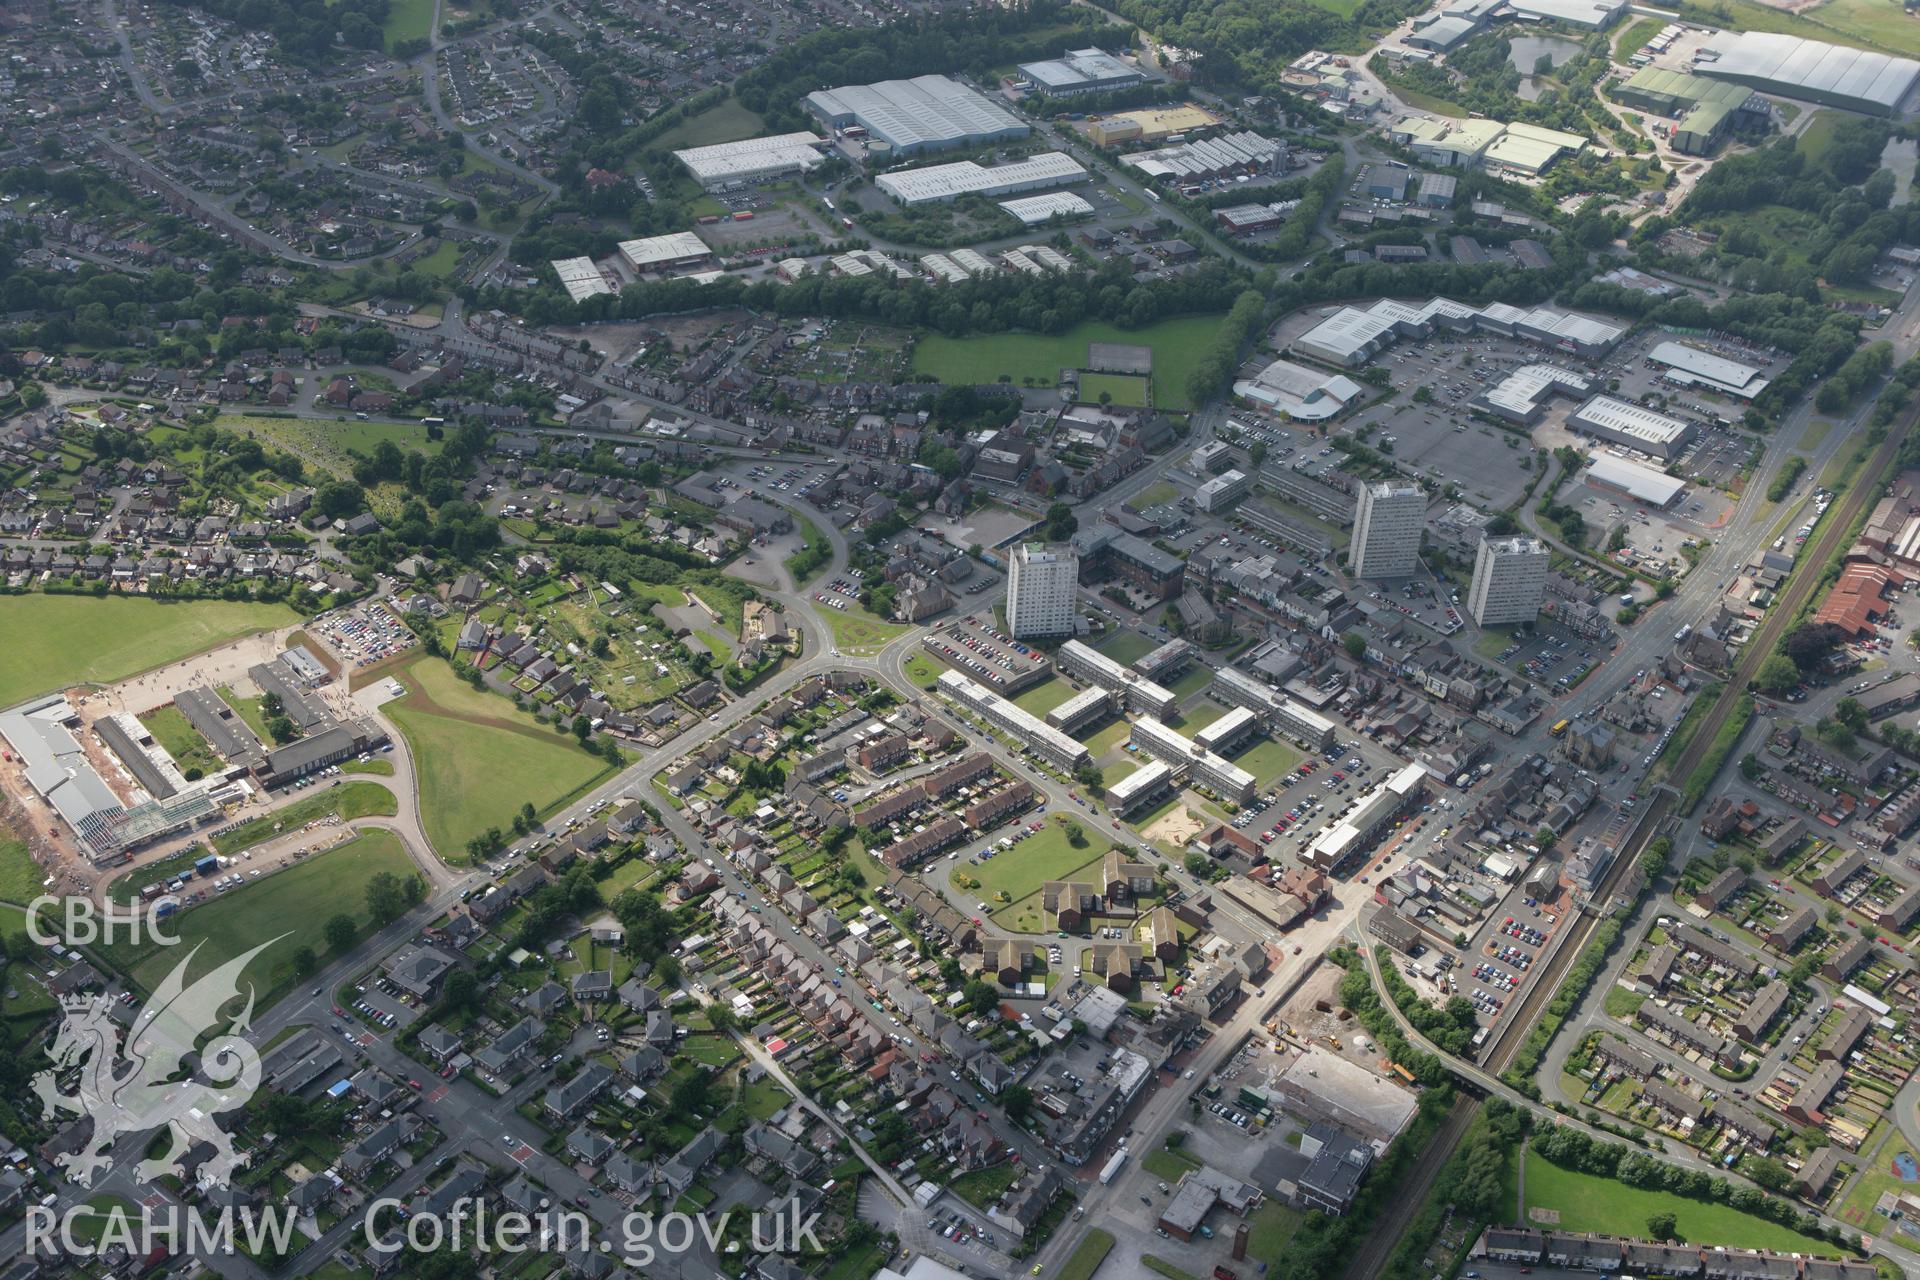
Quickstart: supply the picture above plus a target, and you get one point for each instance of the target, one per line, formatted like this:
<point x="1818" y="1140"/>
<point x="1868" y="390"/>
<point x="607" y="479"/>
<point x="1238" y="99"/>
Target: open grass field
<point x="20" y="875"/>
<point x="1021" y="870"/>
<point x="1107" y="737"/>
<point x="296" y="902"/>
<point x="858" y="632"/>
<point x="50" y="642"/>
<point x="1633" y="35"/>
<point x="1589" y="1203"/>
<point x="1045" y="696"/>
<point x="1816" y="136"/>
<point x="1087" y="1255"/>
<point x="466" y="742"/>
<point x="407" y="20"/>
<point x="329" y="445"/>
<point x="441" y="262"/>
<point x="924" y="669"/>
<point x="1877" y="24"/>
<point x="1178" y="345"/>
<point x="348" y="800"/>
<point x="183" y="742"/>
<point x="1267" y="759"/>
<point x="1126" y="646"/>
<point x="1117" y="388"/>
<point x="728" y="122"/>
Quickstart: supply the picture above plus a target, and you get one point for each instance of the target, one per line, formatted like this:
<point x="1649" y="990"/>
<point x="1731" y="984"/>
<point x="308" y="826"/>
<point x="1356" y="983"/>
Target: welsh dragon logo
<point x="153" y="1083"/>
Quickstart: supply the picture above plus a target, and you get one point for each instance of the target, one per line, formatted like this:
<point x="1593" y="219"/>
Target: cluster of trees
<point x="305" y="30"/>
<point x="1451" y="1026"/>
<point x="1480" y="76"/>
<point x="992" y="304"/>
<point x="1580" y="976"/>
<point x="1856" y="373"/>
<point x="1248" y="43"/>
<point x="1572" y="1148"/>
<point x="1474" y="1178"/>
<point x="1788" y="476"/>
<point x="972" y="42"/>
<point x="1802" y="651"/>
<point x="1213" y="374"/>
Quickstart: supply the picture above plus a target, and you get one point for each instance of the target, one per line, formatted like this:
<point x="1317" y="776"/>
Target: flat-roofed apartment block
<point x="926" y="113"/>
<point x="1633" y="426"/>
<point x="1509" y="581"/>
<point x="1170" y="659"/>
<point x="1222" y="491"/>
<point x="1087" y="707"/>
<point x="1042" y="591"/>
<point x="1036" y="734"/>
<point x="1223" y="777"/>
<point x="1283" y="715"/>
<point x="1386" y="529"/>
<point x="1104" y="551"/>
<point x="1140" y="694"/>
<point x="1144" y="785"/>
<point x="1229" y="731"/>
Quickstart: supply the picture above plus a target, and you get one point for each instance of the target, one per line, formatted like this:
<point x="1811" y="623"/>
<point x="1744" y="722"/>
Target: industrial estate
<point x="1183" y="640"/>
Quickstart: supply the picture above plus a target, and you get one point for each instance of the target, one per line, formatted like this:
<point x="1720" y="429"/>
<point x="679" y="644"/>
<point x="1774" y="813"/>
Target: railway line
<point x="1663" y="807"/>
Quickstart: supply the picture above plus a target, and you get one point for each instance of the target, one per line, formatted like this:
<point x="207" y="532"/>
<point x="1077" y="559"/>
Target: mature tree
<point x="1777" y="674"/>
<point x="981" y="996"/>
<point x="340" y="932"/>
<point x="1356" y="645"/>
<point x="386" y="897"/>
<point x="1662" y="1225"/>
<point x="1017" y="1100"/>
<point x="304" y="963"/>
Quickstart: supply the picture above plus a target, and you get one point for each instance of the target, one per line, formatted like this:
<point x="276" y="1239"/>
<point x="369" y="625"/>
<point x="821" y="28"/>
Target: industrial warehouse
<point x="665" y="253"/>
<point x="1855" y="79"/>
<point x="1633" y="426"/>
<point x="1350" y="336"/>
<point x="1690" y="366"/>
<point x="1704" y="110"/>
<point x="1081" y="71"/>
<point x="927" y="113"/>
<point x="1229" y="155"/>
<point x="940" y="183"/>
<point x="580" y="278"/>
<point x="729" y="164"/>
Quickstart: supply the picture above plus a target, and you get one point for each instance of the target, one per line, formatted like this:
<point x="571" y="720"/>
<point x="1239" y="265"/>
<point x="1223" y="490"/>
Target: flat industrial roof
<point x="676" y="246"/>
<point x="1704" y="366"/>
<point x="1793" y="67"/>
<point x="580" y="278"/>
<point x="964" y="177"/>
<point x="1055" y="204"/>
<point x="1522" y="390"/>
<point x="1633" y="479"/>
<point x="753" y="156"/>
<point x="924" y="111"/>
<point x="1080" y="68"/>
<point x="1632" y="420"/>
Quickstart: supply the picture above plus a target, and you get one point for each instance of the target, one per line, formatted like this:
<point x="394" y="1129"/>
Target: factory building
<point x="1633" y="426"/>
<point x="666" y="253"/>
<point x="580" y="278"/>
<point x="1704" y="110"/>
<point x="1081" y="71"/>
<point x="1690" y="366"/>
<point x="927" y="113"/>
<point x="1349" y="336"/>
<point x="732" y="164"/>
<point x="1298" y="392"/>
<point x="1811" y="71"/>
<point x="1228" y="155"/>
<point x="941" y="183"/>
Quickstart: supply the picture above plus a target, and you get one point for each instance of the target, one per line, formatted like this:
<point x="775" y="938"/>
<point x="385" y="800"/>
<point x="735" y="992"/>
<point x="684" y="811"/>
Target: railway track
<point x="1662" y="807"/>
